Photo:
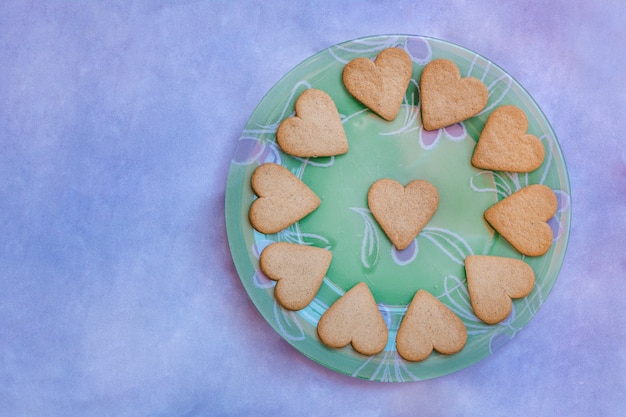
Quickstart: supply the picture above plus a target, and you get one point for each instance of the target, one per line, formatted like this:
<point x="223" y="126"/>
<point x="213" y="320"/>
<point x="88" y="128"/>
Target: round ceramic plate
<point x="404" y="151"/>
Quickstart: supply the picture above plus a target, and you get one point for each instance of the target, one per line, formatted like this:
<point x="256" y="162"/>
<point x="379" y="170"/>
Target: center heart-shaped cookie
<point x="315" y="130"/>
<point x="446" y="98"/>
<point x="492" y="281"/>
<point x="299" y="270"/>
<point x="428" y="324"/>
<point x="402" y="212"/>
<point x="380" y="84"/>
<point x="283" y="199"/>
<point x="504" y="144"/>
<point x="355" y="319"/>
<point x="521" y="219"/>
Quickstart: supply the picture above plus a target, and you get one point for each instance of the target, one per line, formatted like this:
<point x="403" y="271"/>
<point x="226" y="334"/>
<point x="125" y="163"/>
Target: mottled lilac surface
<point x="118" y="122"/>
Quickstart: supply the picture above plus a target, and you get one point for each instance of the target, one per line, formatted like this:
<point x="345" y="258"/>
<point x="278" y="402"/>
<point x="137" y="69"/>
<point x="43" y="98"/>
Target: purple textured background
<point x="118" y="296"/>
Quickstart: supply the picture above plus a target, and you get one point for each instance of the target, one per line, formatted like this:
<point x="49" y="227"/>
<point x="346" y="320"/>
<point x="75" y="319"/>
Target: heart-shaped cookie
<point x="354" y="318"/>
<point x="380" y="84"/>
<point x="315" y="130"/>
<point x="504" y="144"/>
<point x="428" y="324"/>
<point x="402" y="212"/>
<point x="446" y="98"/>
<point x="299" y="270"/>
<point x="493" y="281"/>
<point x="283" y="199"/>
<point x="521" y="219"/>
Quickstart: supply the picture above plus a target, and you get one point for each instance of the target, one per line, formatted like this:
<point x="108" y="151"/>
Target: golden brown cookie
<point x="283" y="199"/>
<point x="299" y="270"/>
<point x="429" y="324"/>
<point x="315" y="130"/>
<point x="380" y="84"/>
<point x="402" y="212"/>
<point x="492" y="281"/>
<point x="504" y="144"/>
<point x="354" y="318"/>
<point x="446" y="98"/>
<point x="521" y="219"/>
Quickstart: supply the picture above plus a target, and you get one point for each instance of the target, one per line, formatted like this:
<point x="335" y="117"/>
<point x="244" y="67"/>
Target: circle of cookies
<point x="402" y="211"/>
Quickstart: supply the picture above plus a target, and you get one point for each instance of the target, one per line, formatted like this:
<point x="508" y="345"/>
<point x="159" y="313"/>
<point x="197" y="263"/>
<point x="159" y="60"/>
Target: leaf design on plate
<point x="258" y="246"/>
<point x="534" y="300"/>
<point x="428" y="139"/>
<point x="370" y="243"/>
<point x="406" y="256"/>
<point x="271" y="155"/>
<point x="401" y="370"/>
<point x="474" y="187"/>
<point x="346" y="52"/>
<point x="456" y="132"/>
<point x="498" y="340"/>
<point x="419" y="49"/>
<point x="313" y="239"/>
<point x="288" y="325"/>
<point x="293" y="235"/>
<point x="391" y="367"/>
<point x="260" y="280"/>
<point x="288" y="109"/>
<point x="506" y="183"/>
<point x="452" y="244"/>
<point x="498" y="89"/>
<point x="249" y="150"/>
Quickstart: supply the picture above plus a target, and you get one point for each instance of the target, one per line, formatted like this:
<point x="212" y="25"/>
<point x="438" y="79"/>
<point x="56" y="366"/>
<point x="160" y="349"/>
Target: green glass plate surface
<point x="403" y="151"/>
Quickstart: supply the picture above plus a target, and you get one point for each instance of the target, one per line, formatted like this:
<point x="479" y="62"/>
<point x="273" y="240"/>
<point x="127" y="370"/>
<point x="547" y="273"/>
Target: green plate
<point x="403" y="151"/>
